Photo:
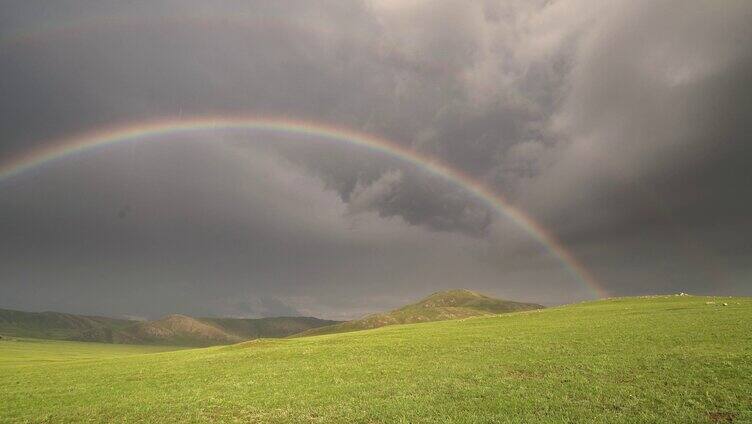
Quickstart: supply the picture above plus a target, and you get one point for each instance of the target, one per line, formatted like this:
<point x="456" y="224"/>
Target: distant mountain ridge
<point x="183" y="330"/>
<point x="179" y="330"/>
<point x="440" y="306"/>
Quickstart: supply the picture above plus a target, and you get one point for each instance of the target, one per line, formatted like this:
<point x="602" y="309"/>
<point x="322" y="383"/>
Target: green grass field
<point x="679" y="359"/>
<point x="16" y="352"/>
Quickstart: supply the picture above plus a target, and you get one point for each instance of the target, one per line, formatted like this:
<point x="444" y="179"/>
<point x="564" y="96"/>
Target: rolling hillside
<point x="445" y="305"/>
<point x="60" y="326"/>
<point x="180" y="330"/>
<point x="663" y="359"/>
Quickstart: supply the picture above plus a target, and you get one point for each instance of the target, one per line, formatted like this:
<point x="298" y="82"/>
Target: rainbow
<point x="154" y="129"/>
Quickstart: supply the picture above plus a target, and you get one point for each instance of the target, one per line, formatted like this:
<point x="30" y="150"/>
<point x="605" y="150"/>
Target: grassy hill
<point x="171" y="330"/>
<point x="60" y="326"/>
<point x="179" y="330"/>
<point x="182" y="330"/>
<point x="267" y="327"/>
<point x="680" y="359"/>
<point x="445" y="305"/>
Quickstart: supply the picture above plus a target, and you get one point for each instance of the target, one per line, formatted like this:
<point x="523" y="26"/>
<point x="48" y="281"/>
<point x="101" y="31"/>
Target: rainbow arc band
<point x="157" y="129"/>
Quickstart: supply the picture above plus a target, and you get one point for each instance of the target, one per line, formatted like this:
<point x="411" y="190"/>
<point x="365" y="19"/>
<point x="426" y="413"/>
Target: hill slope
<point x="60" y="326"/>
<point x="267" y="327"/>
<point x="171" y="330"/>
<point x="451" y="304"/>
<point x="179" y="330"/>
<point x="677" y="359"/>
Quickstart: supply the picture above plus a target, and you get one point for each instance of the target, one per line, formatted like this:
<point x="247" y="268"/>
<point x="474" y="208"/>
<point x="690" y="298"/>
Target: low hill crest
<point x="178" y="328"/>
<point x="173" y="329"/>
<point x="439" y="306"/>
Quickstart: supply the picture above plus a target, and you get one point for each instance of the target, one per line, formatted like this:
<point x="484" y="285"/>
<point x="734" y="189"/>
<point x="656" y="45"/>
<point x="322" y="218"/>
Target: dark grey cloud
<point x="622" y="128"/>
<point x="655" y="121"/>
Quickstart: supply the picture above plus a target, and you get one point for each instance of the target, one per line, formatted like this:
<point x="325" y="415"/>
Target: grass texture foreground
<point x="682" y="359"/>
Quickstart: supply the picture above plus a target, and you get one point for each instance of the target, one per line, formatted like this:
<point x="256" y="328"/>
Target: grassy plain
<point x="29" y="352"/>
<point x="681" y="359"/>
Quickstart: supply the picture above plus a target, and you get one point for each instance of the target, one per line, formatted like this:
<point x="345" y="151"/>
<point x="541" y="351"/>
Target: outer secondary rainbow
<point x="154" y="129"/>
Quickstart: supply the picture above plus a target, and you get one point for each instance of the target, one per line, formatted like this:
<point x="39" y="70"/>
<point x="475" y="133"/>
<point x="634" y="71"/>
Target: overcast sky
<point x="622" y="127"/>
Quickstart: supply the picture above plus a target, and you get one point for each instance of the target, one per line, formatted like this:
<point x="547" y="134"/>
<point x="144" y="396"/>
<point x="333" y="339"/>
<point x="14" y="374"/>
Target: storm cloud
<point x="621" y="127"/>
